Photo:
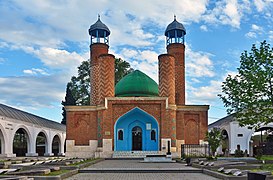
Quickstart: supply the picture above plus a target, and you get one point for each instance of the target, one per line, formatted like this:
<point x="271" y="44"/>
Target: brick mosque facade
<point x="109" y="123"/>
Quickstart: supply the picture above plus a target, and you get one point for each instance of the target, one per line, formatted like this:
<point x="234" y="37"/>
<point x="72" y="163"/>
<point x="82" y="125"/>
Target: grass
<point x="267" y="157"/>
<point x="265" y="167"/>
<point x="83" y="162"/>
<point x="56" y="173"/>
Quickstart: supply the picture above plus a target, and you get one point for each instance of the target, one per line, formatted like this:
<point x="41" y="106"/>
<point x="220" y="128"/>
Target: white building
<point x="34" y="135"/>
<point x="234" y="135"/>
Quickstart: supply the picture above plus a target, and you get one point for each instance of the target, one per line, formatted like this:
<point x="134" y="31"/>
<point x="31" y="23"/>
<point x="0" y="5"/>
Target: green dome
<point x="136" y="84"/>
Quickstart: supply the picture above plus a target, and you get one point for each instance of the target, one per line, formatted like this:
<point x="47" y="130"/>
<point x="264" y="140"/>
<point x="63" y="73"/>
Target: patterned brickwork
<point x="191" y="132"/>
<point x="178" y="51"/>
<point x="94" y="83"/>
<point x="167" y="77"/>
<point x="81" y="127"/>
<point x="106" y="77"/>
<point x="96" y="50"/>
<point x="173" y="126"/>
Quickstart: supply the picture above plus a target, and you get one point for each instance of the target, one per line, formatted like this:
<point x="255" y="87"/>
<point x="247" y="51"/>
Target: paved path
<point x="141" y="176"/>
<point x="135" y="164"/>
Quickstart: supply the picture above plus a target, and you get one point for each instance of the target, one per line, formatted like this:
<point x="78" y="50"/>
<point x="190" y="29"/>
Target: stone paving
<point x="135" y="164"/>
<point x="141" y="176"/>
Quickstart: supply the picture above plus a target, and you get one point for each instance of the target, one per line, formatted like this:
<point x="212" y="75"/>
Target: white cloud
<point x="255" y="27"/>
<point x="198" y="64"/>
<point x="33" y="91"/>
<point x="35" y="71"/>
<point x="204" y="28"/>
<point x="227" y="12"/>
<point x="251" y="35"/>
<point x="56" y="58"/>
<point x="255" y="30"/>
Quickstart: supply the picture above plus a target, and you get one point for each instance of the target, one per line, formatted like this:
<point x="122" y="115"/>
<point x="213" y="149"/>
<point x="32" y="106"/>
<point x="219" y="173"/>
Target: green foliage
<point x="249" y="94"/>
<point x="259" y="153"/>
<point x="69" y="100"/>
<point x="239" y="153"/>
<point x="122" y="68"/>
<point x="267" y="157"/>
<point x="214" y="138"/>
<point x="80" y="85"/>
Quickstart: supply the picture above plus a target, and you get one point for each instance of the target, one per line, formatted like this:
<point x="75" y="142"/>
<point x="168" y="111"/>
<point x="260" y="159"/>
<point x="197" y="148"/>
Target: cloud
<point x="198" y="64"/>
<point x="263" y="5"/>
<point x="206" y="94"/>
<point x="35" y="71"/>
<point x="227" y="12"/>
<point x="32" y="91"/>
<point x="56" y="58"/>
<point x="254" y="31"/>
<point x="204" y="28"/>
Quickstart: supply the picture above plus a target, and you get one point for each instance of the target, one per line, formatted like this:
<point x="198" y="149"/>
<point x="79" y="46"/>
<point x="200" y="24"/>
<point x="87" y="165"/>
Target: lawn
<point x="267" y="157"/>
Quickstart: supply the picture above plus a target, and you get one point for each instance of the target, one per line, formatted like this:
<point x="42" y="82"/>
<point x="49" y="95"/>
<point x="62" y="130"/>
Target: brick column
<point x="106" y="77"/>
<point x="167" y="77"/>
<point x="96" y="50"/>
<point x="178" y="51"/>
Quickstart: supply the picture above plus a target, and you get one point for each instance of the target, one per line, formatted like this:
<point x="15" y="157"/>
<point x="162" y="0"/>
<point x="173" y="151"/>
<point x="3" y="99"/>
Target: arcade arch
<point x="20" y="142"/>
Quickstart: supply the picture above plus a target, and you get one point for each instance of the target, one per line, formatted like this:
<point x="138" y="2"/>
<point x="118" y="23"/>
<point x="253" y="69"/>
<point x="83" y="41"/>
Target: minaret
<point x="102" y="70"/>
<point x="175" y="33"/>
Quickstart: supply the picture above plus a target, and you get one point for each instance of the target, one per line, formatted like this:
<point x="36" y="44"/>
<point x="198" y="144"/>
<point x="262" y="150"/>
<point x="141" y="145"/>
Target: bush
<point x="239" y="153"/>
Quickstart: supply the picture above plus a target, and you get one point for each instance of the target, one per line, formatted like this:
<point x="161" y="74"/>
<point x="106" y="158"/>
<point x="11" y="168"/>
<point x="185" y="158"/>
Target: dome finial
<point x="98" y="16"/>
<point x="174" y="17"/>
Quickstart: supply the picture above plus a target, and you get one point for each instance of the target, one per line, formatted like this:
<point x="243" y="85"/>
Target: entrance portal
<point x="136" y="139"/>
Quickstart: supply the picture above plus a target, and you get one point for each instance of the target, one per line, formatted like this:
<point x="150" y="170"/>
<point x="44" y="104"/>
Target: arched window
<point x="153" y="135"/>
<point x="120" y="134"/>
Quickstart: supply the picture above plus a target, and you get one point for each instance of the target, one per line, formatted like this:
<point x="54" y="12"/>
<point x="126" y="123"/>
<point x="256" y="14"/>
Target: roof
<point x="136" y="84"/>
<point x="221" y="121"/>
<point x="30" y="118"/>
<point x="99" y="27"/>
<point x="175" y="26"/>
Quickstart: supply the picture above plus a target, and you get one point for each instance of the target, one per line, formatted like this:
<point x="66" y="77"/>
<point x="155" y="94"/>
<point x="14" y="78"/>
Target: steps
<point x="133" y="154"/>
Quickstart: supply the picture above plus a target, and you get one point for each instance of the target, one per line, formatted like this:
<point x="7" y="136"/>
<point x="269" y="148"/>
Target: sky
<point x="42" y="42"/>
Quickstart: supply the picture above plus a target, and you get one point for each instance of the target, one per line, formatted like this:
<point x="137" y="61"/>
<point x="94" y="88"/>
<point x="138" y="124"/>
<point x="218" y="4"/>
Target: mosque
<point x="137" y="114"/>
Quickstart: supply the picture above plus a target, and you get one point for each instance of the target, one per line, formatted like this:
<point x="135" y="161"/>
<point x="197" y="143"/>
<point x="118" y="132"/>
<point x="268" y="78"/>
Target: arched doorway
<point x="2" y="142"/>
<point x="136" y="131"/>
<point x="20" y="142"/>
<point x="56" y="143"/>
<point x="41" y="144"/>
<point x="136" y="138"/>
<point x="225" y="142"/>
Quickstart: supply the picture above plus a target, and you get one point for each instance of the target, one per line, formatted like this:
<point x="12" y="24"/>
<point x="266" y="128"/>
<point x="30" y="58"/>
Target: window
<point x="240" y="135"/>
<point x="153" y="135"/>
<point x="120" y="134"/>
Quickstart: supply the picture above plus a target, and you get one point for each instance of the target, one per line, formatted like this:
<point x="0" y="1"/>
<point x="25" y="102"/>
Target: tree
<point x="80" y="85"/>
<point x="122" y="68"/>
<point x="214" y="138"/>
<point x="249" y="94"/>
<point x="69" y="100"/>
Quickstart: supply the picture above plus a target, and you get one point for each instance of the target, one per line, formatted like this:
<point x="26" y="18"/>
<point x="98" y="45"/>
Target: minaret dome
<point x="175" y="32"/>
<point x="99" y="32"/>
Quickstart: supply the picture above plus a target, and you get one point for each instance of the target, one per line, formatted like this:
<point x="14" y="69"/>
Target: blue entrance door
<point x="136" y="138"/>
<point x="136" y="131"/>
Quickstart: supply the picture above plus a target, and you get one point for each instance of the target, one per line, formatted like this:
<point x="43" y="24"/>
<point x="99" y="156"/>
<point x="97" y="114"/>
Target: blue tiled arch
<point x="136" y="117"/>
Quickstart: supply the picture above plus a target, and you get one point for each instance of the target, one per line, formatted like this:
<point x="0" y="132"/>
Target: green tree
<point x="69" y="100"/>
<point x="122" y="68"/>
<point x="214" y="138"/>
<point x="80" y="85"/>
<point x="249" y="94"/>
